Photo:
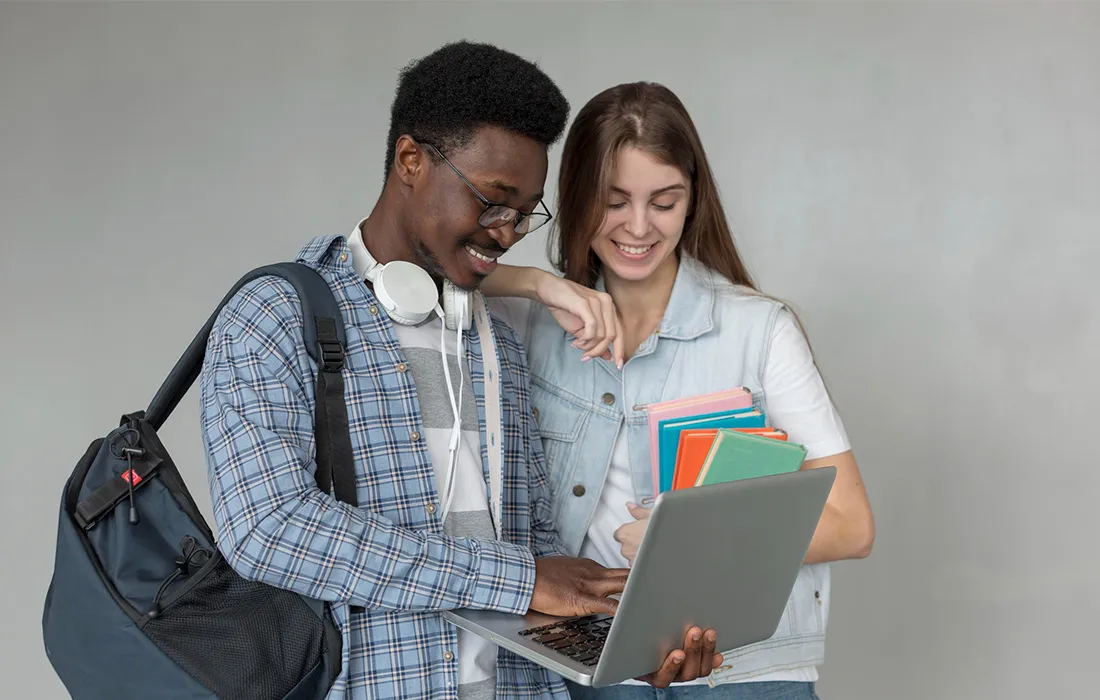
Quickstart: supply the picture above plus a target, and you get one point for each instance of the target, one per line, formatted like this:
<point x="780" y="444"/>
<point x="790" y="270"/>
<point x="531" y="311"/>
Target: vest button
<point x="401" y="366"/>
<point x="609" y="398"/>
<point x="536" y="412"/>
<point x="373" y="310"/>
<point x="578" y="490"/>
<point x="414" y="436"/>
<point x="447" y="656"/>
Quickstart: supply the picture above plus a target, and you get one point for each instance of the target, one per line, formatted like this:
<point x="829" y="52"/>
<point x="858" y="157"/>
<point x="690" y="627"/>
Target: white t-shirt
<point x="795" y="400"/>
<point x="469" y="509"/>
<point x="469" y="514"/>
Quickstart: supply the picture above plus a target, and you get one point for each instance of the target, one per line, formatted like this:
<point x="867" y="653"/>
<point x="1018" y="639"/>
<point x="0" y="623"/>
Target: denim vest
<point x="713" y="336"/>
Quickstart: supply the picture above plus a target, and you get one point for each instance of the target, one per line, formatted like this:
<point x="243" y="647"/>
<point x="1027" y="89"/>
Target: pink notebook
<point x="690" y="406"/>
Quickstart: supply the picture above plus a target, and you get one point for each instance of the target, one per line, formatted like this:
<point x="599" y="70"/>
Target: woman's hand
<point x="630" y="535"/>
<point x="588" y="315"/>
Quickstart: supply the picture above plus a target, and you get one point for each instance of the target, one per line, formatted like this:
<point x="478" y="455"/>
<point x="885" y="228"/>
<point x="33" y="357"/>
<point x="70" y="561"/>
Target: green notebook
<point x="735" y="455"/>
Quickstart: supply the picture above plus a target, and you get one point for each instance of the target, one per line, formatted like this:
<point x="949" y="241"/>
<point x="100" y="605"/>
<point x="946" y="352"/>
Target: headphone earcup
<point x="456" y="303"/>
<point x="406" y="292"/>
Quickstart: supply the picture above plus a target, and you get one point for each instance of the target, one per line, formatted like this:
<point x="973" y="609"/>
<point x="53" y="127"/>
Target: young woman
<point x="656" y="304"/>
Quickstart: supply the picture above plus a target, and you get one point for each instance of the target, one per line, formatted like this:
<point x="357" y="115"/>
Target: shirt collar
<point x="358" y="250"/>
<point x="338" y="252"/>
<point x="690" y="310"/>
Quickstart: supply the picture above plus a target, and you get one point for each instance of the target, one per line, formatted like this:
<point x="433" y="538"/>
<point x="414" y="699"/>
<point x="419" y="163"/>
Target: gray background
<point x="921" y="180"/>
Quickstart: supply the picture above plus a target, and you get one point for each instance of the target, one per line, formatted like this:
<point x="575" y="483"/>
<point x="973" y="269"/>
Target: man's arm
<point x="277" y="527"/>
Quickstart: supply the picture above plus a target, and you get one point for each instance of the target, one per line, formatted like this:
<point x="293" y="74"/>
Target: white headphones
<point x="407" y="292"/>
<point x="409" y="296"/>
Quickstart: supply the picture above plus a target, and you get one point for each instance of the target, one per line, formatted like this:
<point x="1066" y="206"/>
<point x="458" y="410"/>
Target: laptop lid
<point x="723" y="556"/>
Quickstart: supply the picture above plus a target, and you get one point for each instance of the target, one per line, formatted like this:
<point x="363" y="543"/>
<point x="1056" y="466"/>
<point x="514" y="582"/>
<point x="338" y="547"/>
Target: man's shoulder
<point x="271" y="302"/>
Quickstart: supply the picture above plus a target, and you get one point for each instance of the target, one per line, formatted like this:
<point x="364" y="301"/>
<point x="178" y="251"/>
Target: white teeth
<point x="634" y="250"/>
<point x="479" y="256"/>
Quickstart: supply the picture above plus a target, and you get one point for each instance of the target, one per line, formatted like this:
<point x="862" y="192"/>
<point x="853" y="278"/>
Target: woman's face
<point x="647" y="207"/>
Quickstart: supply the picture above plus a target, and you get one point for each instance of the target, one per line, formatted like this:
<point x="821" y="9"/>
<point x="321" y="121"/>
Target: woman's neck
<point x="641" y="303"/>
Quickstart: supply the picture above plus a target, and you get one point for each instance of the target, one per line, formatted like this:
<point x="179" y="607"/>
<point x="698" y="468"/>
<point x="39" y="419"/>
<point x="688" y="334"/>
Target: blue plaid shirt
<point x="389" y="555"/>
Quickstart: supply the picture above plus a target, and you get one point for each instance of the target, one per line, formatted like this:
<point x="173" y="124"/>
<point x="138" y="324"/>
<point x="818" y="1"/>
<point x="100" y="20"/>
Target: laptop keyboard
<point x="579" y="638"/>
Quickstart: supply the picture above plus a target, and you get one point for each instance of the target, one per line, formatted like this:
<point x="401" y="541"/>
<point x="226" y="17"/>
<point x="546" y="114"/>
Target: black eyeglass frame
<point x="505" y="214"/>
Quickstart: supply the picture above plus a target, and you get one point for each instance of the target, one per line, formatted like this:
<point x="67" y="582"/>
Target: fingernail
<point x="585" y="359"/>
<point x="677" y="659"/>
<point x="695" y="637"/>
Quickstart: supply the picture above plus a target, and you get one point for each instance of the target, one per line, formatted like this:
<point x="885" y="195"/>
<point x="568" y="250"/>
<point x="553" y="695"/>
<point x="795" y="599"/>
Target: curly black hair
<point x="444" y="97"/>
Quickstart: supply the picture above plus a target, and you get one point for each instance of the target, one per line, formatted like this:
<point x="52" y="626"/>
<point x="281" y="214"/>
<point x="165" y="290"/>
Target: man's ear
<point x="409" y="161"/>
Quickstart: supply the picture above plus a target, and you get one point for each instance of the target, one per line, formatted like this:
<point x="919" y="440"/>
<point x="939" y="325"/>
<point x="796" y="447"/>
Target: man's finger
<point x="605" y="586"/>
<point x="693" y="644"/>
<point x="596" y="604"/>
<point x="669" y="670"/>
<point x="707" y="654"/>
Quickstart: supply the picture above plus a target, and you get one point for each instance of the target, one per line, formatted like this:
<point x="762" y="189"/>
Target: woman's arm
<point x="798" y="402"/>
<point x="512" y="281"/>
<point x="587" y="315"/>
<point x="847" y="527"/>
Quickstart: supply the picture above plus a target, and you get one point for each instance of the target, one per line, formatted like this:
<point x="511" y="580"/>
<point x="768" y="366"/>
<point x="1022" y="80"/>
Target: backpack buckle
<point x="332" y="356"/>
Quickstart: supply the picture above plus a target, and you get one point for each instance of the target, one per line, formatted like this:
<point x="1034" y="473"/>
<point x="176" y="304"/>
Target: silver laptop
<point x="722" y="557"/>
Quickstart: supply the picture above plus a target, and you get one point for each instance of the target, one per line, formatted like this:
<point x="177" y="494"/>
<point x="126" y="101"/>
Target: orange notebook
<point x="694" y="446"/>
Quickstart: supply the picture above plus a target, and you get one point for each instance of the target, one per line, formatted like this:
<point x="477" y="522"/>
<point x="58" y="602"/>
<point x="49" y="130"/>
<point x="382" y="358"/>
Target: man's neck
<point x="382" y="236"/>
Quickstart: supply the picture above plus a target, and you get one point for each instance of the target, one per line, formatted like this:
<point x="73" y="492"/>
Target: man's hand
<point x="588" y="315"/>
<point x="696" y="660"/>
<point x="630" y="535"/>
<point x="570" y="586"/>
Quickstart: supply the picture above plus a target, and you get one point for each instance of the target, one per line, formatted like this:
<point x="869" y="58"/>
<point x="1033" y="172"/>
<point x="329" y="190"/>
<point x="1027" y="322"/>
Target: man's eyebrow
<point x="502" y="186"/>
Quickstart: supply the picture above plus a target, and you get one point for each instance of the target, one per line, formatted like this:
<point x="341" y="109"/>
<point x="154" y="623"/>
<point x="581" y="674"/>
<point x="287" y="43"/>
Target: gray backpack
<point x="141" y="604"/>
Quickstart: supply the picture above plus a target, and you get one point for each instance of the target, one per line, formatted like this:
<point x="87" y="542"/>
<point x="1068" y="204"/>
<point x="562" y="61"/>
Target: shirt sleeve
<point x="276" y="526"/>
<point x="795" y="396"/>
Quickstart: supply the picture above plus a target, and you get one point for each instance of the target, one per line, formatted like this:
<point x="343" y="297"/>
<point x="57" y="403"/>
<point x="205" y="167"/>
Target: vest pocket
<point x="560" y="425"/>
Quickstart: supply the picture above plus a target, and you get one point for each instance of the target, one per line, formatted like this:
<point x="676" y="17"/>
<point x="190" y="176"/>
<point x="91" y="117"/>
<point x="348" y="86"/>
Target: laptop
<point x="723" y="556"/>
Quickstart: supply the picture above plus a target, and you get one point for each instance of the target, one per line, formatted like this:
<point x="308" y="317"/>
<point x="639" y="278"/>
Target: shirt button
<point x="431" y="509"/>
<point x="536" y="411"/>
<point x="578" y="490"/>
<point x="447" y="656"/>
<point x="401" y="366"/>
<point x="343" y="257"/>
<point x="609" y="398"/>
<point x="414" y="436"/>
<point x="373" y="310"/>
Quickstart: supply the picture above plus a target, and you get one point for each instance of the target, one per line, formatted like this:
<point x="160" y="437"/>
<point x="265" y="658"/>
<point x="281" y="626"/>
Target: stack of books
<point x="717" y="437"/>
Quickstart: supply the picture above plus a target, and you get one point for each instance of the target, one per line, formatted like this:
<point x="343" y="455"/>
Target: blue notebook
<point x="668" y="438"/>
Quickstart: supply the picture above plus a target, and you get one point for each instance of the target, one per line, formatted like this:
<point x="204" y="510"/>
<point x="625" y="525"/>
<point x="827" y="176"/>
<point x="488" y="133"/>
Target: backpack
<point x="141" y="603"/>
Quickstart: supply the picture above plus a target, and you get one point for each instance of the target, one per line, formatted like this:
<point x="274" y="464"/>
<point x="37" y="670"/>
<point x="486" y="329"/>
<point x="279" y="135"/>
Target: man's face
<point x="446" y="236"/>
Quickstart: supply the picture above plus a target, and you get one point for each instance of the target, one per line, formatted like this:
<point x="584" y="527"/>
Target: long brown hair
<point x="650" y="117"/>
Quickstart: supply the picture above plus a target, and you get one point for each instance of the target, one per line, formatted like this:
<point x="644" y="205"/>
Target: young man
<point x="465" y="168"/>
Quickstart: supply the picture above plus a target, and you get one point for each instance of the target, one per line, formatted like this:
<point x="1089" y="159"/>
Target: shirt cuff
<point x="505" y="578"/>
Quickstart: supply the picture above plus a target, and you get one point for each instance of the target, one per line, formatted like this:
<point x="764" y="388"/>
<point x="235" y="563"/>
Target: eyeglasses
<point x="496" y="215"/>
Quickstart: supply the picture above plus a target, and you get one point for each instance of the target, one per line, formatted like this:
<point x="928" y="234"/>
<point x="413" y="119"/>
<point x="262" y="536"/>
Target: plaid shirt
<point x="390" y="554"/>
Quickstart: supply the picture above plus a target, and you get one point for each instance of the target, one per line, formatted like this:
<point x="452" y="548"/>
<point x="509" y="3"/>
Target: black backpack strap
<point x="323" y="330"/>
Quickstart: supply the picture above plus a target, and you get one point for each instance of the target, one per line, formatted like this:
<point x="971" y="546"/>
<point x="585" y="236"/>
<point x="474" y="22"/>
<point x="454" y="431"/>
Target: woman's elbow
<point x="863" y="540"/>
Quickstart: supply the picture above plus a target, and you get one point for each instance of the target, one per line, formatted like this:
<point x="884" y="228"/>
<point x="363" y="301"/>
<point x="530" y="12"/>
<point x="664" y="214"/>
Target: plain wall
<point x="922" y="181"/>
